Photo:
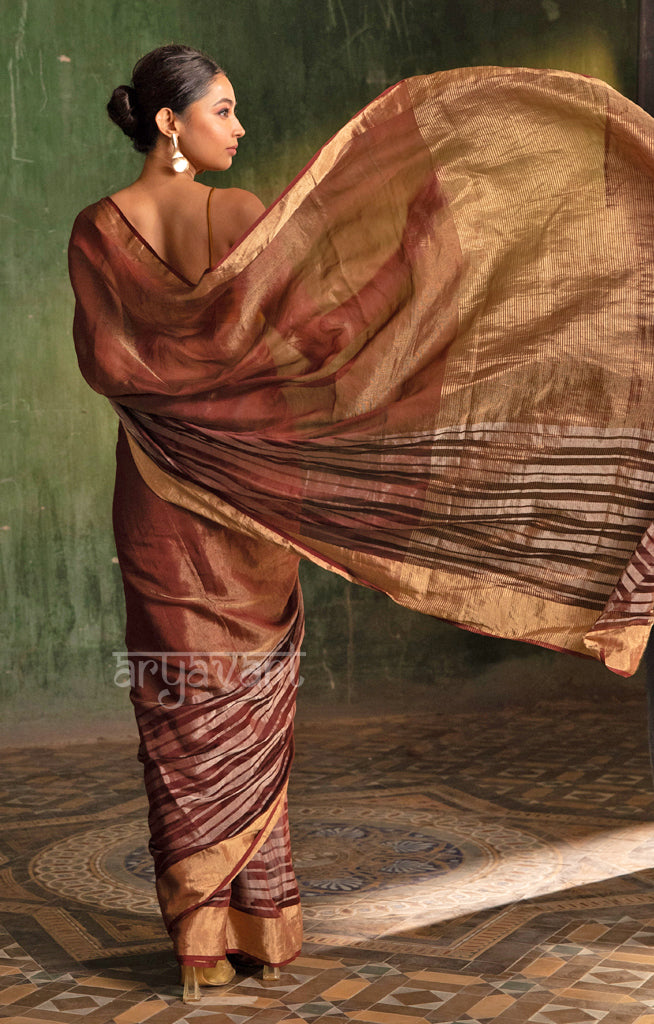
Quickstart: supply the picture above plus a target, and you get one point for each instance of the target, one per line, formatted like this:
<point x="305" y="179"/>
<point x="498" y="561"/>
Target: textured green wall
<point x="300" y="68"/>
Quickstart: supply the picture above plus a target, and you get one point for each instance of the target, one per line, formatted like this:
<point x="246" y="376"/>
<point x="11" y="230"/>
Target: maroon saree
<point x="214" y="663"/>
<point x="427" y="367"/>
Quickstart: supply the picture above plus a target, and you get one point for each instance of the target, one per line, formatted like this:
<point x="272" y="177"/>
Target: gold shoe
<point x="193" y="977"/>
<point x="271" y="973"/>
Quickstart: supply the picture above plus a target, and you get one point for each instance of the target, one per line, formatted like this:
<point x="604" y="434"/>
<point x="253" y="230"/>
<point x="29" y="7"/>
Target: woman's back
<point x="188" y="225"/>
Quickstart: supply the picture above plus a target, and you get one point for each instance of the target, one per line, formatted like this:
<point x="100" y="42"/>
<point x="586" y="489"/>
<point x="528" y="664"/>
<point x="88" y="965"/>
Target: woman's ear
<point x="166" y="121"/>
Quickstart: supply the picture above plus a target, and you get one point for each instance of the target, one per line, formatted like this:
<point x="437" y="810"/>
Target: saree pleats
<point x="428" y="367"/>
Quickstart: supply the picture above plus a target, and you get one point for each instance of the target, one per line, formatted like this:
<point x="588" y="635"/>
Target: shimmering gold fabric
<point x="427" y="367"/>
<point x="189" y="883"/>
<point x="204" y="928"/>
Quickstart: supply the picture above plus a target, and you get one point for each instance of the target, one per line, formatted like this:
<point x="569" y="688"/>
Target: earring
<point x="179" y="161"/>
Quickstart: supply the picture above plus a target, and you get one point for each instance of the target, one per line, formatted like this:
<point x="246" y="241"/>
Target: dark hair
<point x="171" y="76"/>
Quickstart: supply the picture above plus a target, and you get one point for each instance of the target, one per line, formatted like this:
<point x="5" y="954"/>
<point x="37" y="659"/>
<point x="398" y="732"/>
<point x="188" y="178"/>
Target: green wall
<point x="300" y="68"/>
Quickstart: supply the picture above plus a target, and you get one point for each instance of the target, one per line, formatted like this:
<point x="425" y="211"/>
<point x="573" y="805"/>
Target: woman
<point x="407" y="371"/>
<point x="218" y="751"/>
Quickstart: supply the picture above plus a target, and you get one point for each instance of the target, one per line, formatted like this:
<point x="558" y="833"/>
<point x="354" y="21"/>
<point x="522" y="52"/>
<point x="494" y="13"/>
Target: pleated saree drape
<point x="427" y="367"/>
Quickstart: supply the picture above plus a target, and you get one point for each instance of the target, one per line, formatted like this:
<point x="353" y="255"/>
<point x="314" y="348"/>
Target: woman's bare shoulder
<point x="134" y="202"/>
<point x="127" y="191"/>
<point x="133" y="193"/>
<point x="237" y="206"/>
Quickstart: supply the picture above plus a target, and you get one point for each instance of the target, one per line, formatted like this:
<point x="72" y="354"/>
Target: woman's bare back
<point x="173" y="221"/>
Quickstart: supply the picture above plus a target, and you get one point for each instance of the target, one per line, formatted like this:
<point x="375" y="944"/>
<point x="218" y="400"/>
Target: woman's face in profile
<point x="210" y="130"/>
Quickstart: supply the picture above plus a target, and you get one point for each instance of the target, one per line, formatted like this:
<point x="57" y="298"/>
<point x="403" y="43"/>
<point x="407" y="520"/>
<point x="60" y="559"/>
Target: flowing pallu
<point x="428" y="367"/>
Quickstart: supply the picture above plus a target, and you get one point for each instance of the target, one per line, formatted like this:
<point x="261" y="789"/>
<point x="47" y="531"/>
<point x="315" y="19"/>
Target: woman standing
<point x="428" y="367"/>
<point x="214" y="618"/>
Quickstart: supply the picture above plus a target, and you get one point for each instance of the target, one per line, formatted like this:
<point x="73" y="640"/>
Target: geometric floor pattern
<point x="494" y="866"/>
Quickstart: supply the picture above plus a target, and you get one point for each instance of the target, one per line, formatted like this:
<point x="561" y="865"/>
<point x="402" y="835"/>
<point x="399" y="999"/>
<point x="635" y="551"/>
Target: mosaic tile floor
<point x="488" y="867"/>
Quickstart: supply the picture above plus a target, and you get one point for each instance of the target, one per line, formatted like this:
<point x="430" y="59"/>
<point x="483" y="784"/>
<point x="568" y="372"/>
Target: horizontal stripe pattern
<point x="211" y="767"/>
<point x="558" y="516"/>
<point x="267" y="883"/>
<point x="632" y="601"/>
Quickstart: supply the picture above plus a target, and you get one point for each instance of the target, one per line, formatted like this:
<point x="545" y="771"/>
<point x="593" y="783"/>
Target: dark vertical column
<point x="646" y="100"/>
<point x="646" y="56"/>
<point x="649" y="684"/>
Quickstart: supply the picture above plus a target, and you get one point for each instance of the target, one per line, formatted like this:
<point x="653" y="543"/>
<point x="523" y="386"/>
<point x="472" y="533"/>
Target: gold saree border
<point x="186" y="885"/>
<point x="621" y="647"/>
<point x="222" y="931"/>
<point x="273" y="940"/>
<point x="225" y="931"/>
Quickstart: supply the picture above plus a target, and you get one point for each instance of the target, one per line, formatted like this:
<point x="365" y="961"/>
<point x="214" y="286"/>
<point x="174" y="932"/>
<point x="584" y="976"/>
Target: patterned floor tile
<point x="497" y="867"/>
<point x="560" y="1014"/>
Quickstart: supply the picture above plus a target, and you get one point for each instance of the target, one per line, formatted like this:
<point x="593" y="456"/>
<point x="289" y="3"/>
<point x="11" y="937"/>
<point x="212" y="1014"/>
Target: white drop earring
<point x="179" y="161"/>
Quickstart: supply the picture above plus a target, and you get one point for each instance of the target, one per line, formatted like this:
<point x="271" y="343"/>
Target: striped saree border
<point x="560" y="515"/>
<point x="446" y="595"/>
<point x="191" y="882"/>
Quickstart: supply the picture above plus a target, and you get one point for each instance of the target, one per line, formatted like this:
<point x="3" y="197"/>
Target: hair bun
<point x="172" y="76"/>
<point x="122" y="110"/>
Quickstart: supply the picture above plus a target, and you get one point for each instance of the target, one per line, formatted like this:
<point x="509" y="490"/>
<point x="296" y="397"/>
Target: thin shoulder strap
<point x="209" y="231"/>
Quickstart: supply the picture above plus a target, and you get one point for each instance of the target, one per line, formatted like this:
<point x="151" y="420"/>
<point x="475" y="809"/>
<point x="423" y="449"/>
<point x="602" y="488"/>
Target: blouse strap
<point x="209" y="231"/>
